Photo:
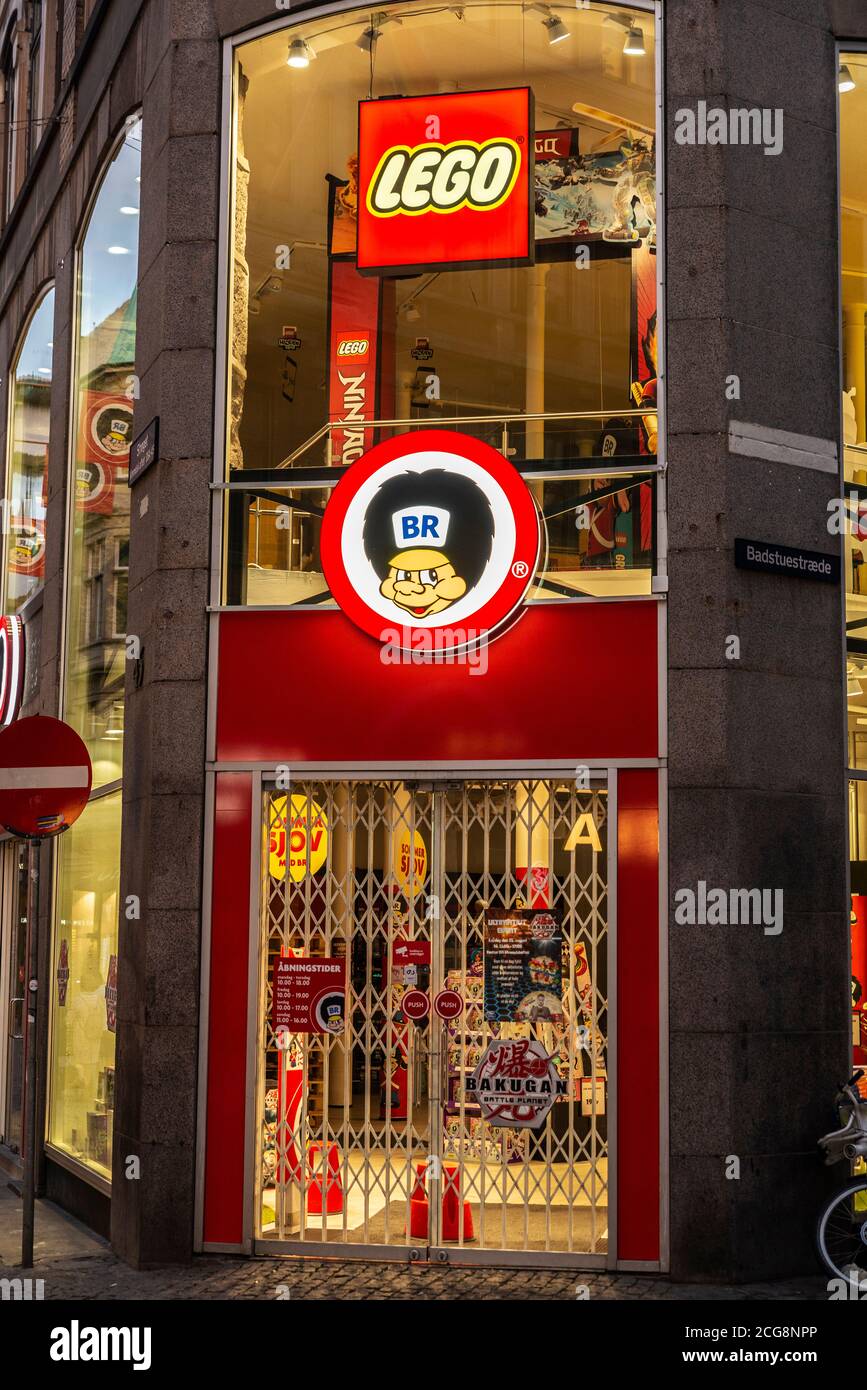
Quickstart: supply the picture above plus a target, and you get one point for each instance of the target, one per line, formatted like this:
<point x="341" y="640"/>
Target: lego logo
<point x="444" y="178"/>
<point x="356" y="348"/>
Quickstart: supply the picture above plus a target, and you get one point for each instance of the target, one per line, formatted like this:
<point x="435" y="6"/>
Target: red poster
<point x="445" y="180"/>
<point x="309" y="995"/>
<point x="353" y="349"/>
<point x="404" y="952"/>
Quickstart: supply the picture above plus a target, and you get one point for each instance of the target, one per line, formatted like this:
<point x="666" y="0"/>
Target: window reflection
<point x="103" y="432"/>
<point x="30" y="414"/>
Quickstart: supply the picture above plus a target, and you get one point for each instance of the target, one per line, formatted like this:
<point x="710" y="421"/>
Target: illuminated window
<point x="84" y="987"/>
<point x="553" y="362"/>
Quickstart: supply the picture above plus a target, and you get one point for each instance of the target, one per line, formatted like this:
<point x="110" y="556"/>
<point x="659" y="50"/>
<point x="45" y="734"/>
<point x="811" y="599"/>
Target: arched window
<point x="102" y="431"/>
<point x="27" y="454"/>
<point x="81" y="1079"/>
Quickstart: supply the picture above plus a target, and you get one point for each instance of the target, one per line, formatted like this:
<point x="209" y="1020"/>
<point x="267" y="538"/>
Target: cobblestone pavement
<point x="75" y="1264"/>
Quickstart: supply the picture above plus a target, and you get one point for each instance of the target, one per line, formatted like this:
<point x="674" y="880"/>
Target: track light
<point x="300" y="54"/>
<point x="557" y="30"/>
<point x="845" y="80"/>
<point x="634" y="44"/>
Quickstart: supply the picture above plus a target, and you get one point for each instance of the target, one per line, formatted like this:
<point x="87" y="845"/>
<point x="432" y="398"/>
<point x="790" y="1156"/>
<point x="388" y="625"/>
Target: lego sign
<point x="445" y="181"/>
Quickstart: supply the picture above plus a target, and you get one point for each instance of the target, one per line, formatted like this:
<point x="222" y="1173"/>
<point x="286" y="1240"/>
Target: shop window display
<point x="853" y="260"/>
<point x="490" y="900"/>
<point x="84" y="988"/>
<point x="550" y="356"/>
<point x="29" y="425"/>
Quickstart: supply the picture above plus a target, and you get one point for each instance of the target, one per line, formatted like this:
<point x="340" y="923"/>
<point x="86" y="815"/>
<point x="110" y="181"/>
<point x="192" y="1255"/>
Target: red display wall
<point x="572" y="679"/>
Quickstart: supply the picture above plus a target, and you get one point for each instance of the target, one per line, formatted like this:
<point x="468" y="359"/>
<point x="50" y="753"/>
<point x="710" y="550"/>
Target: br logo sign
<point x="431" y="537"/>
<point x="445" y="181"/>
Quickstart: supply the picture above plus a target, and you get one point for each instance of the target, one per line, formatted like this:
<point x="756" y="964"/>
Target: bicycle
<point x="841" y="1233"/>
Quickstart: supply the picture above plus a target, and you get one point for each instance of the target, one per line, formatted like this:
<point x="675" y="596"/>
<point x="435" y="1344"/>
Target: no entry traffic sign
<point x="45" y="777"/>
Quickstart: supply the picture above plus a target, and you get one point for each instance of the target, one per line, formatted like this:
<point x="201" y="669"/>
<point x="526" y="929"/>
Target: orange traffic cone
<point x="418" y="1206"/>
<point x="333" y="1184"/>
<point x="452" y="1205"/>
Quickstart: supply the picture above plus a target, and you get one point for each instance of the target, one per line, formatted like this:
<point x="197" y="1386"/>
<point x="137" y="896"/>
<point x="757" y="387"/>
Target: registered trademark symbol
<point x="520" y="569"/>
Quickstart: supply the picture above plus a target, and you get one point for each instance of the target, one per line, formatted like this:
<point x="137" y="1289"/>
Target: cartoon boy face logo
<point x="428" y="537"/>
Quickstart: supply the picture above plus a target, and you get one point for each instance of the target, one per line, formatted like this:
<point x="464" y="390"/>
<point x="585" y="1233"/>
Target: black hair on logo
<point x="471" y="528"/>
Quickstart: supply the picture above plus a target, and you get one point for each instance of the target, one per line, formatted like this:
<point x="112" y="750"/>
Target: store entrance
<point x="433" y="1047"/>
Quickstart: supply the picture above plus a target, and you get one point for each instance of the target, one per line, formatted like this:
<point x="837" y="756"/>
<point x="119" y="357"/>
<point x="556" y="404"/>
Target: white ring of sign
<point x="12" y="653"/>
<point x="363" y="576"/>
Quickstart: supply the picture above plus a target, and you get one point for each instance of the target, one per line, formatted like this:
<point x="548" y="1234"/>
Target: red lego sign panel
<point x="445" y="181"/>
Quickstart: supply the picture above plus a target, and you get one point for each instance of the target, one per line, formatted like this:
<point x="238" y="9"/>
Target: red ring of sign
<point x="493" y="614"/>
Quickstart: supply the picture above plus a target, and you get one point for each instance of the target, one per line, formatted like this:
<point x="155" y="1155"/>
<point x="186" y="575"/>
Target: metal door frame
<point x="600" y="772"/>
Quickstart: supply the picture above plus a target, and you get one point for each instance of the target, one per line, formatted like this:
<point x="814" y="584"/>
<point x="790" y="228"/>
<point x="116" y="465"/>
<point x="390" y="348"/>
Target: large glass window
<point x="553" y="362"/>
<point x="84" y="987"/>
<point x="27" y="476"/>
<point x="102" y="434"/>
<point x="84" y="973"/>
<point x="852" y="81"/>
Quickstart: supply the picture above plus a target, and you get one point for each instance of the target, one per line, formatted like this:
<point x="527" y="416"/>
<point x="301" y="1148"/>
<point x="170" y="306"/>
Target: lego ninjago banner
<point x="104" y="438"/>
<point x="445" y="181"/>
<point x="360" y="347"/>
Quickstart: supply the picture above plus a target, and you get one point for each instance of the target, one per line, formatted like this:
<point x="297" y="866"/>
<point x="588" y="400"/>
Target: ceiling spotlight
<point x="300" y="54"/>
<point x="368" y="39"/>
<point x="557" y="30"/>
<point x="845" y="80"/>
<point x="634" y="44"/>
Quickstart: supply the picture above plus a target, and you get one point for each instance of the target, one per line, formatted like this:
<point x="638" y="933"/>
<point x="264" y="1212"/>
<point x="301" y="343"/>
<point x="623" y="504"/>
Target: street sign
<point x="45" y="777"/>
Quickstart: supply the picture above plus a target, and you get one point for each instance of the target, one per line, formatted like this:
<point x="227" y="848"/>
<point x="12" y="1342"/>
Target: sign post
<point x="45" y="780"/>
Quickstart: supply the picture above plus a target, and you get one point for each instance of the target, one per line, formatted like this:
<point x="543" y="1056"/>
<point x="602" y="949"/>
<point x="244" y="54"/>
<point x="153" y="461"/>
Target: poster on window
<point x="523" y="966"/>
<point x="104" y="439"/>
<point x="309" y="995"/>
<point x="603" y="198"/>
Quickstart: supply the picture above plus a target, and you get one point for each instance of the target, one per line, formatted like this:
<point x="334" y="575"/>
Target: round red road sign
<point x="448" y="1004"/>
<point x="415" y="1005"/>
<point x="45" y="777"/>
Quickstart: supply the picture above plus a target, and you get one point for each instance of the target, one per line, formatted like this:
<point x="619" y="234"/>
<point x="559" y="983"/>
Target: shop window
<point x="29" y="427"/>
<point x="84" y="988"/>
<point x="102" y="433"/>
<point x="553" y="361"/>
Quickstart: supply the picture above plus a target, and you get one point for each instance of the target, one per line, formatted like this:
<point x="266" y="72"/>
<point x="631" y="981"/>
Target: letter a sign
<point x="461" y="200"/>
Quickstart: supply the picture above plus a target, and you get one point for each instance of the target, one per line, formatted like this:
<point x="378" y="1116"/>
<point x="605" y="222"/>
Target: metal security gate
<point x="372" y="1132"/>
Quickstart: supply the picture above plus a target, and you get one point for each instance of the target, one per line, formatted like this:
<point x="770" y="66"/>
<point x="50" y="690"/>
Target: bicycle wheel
<point x="841" y="1234"/>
